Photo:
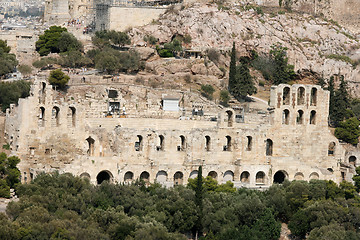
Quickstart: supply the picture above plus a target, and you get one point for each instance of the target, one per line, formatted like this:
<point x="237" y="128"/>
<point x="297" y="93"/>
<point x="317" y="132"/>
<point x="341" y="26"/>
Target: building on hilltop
<point x="121" y="133"/>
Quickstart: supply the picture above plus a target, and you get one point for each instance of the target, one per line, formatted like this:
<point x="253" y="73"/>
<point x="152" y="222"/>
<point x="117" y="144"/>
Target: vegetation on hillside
<point x="8" y="60"/>
<point x="58" y="78"/>
<point x="9" y="175"/>
<point x="10" y="92"/>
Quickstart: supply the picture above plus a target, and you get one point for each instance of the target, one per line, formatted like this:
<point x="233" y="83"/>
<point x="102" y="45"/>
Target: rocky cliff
<point x="314" y="44"/>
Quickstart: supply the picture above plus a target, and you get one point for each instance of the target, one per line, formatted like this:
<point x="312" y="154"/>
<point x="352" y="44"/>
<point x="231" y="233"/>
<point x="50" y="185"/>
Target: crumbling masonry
<point x="121" y="133"/>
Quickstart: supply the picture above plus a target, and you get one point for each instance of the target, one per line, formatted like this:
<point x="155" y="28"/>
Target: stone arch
<point x="286" y="96"/>
<point x="161" y="177"/>
<point x="286" y="117"/>
<point x="228" y="146"/>
<point x="85" y="175"/>
<point x="313" y="97"/>
<point x="91" y="146"/>
<point x="55" y="115"/>
<point x="331" y="149"/>
<point x="72" y="116"/>
<point x="300" y="117"/>
<point x="182" y="145"/>
<point x="193" y="174"/>
<point x="301" y="96"/>
<point x="245" y="177"/>
<point x="229" y="118"/>
<point x="178" y="178"/>
<point x="260" y="177"/>
<point x="313" y="117"/>
<point x="280" y="176"/>
<point x="139" y="143"/>
<point x="213" y="175"/>
<point x="104" y="175"/>
<point x="145" y="176"/>
<point x="228" y="176"/>
<point x="269" y="147"/>
<point x="161" y="143"/>
<point x="299" y="176"/>
<point x="314" y="175"/>
<point x="128" y="177"/>
<point x="41" y="117"/>
<point x="207" y="143"/>
<point x="352" y="160"/>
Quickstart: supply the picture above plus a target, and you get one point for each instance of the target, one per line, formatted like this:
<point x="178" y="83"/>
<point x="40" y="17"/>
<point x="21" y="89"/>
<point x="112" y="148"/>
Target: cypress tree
<point x="339" y="102"/>
<point x="199" y="200"/>
<point x="232" y="69"/>
<point x="244" y="84"/>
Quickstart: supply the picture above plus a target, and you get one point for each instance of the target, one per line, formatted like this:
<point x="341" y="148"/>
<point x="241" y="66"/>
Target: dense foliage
<point x="240" y="81"/>
<point x="112" y="38"/>
<point x="9" y="174"/>
<point x="58" y="78"/>
<point x="170" y="49"/>
<point x="10" y="92"/>
<point x="56" y="39"/>
<point x="67" y="207"/>
<point x="8" y="61"/>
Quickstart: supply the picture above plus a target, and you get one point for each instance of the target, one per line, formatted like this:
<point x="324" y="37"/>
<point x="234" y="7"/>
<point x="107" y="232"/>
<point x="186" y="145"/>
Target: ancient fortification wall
<point x="121" y="133"/>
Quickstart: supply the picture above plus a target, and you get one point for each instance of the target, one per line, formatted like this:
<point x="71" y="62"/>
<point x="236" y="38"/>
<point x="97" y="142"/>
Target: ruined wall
<point x="75" y="133"/>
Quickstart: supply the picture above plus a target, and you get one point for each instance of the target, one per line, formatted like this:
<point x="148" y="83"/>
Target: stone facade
<point x="121" y="133"/>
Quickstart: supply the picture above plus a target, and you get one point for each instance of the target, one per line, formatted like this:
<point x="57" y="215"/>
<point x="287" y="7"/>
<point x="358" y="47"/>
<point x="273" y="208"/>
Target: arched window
<point x="260" y="177"/>
<point x="85" y="175"/>
<point x="228" y="176"/>
<point x="104" y="176"/>
<point x="56" y="115"/>
<point x="299" y="176"/>
<point x="91" y="143"/>
<point x="213" y="175"/>
<point x="227" y="147"/>
<point x="128" y="177"/>
<point x="160" y="146"/>
<point x="269" y="147"/>
<point x="313" y="97"/>
<point x="178" y="178"/>
<point x="193" y="174"/>
<point x="72" y="116"/>
<point x="229" y="120"/>
<point x="286" y="117"/>
<point x="145" y="176"/>
<point x="249" y="143"/>
<point x="139" y="143"/>
<point x="300" y="117"/>
<point x="301" y="96"/>
<point x="182" y="145"/>
<point x="280" y="176"/>
<point x="161" y="177"/>
<point x="42" y="117"/>
<point x="313" y="117"/>
<point x="331" y="149"/>
<point x="352" y="160"/>
<point x="286" y="96"/>
<point x="314" y="175"/>
<point x="245" y="177"/>
<point x="207" y="143"/>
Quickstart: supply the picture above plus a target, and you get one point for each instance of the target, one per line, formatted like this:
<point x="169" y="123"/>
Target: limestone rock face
<point x="310" y="41"/>
<point x="145" y="53"/>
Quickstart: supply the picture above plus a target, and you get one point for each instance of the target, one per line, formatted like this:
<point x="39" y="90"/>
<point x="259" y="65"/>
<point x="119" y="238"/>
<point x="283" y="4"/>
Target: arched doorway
<point x="228" y="176"/>
<point x="213" y="175"/>
<point x="145" y="176"/>
<point x="161" y="177"/>
<point x="128" y="177"/>
<point x="245" y="177"/>
<point x="178" y="178"/>
<point x="279" y="177"/>
<point x="103" y="176"/>
<point x="85" y="175"/>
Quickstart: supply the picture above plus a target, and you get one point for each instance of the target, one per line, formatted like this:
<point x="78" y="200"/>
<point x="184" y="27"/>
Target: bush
<point x="207" y="91"/>
<point x="224" y="98"/>
<point x="58" y="78"/>
<point x="10" y="92"/>
<point x="348" y="131"/>
<point x="151" y="39"/>
<point x="45" y="61"/>
<point x="213" y="55"/>
<point x="49" y="41"/>
<point x="8" y="61"/>
<point x="25" y="69"/>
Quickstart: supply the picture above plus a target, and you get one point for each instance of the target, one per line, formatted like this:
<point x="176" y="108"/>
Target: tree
<point x="339" y="102"/>
<point x="224" y="98"/>
<point x="10" y="92"/>
<point x="9" y="174"/>
<point x="199" y="191"/>
<point x="58" y="78"/>
<point x="8" y="61"/>
<point x="283" y="71"/>
<point x="68" y="42"/>
<point x="232" y="69"/>
<point x="25" y="69"/>
<point x="5" y="48"/>
<point x="356" y="179"/>
<point x="243" y="84"/>
<point x="49" y="41"/>
<point x="348" y="131"/>
<point x="207" y="91"/>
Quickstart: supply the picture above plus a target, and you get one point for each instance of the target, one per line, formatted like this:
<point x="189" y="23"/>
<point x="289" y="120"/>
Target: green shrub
<point x="58" y="78"/>
<point x="207" y="91"/>
<point x="224" y="98"/>
<point x="348" y="131"/>
<point x="10" y="92"/>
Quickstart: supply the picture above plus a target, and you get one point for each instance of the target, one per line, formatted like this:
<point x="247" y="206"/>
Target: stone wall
<point x="75" y="133"/>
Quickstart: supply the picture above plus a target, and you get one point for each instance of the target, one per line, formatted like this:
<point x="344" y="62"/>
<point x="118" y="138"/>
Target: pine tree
<point x="339" y="102"/>
<point x="232" y="70"/>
